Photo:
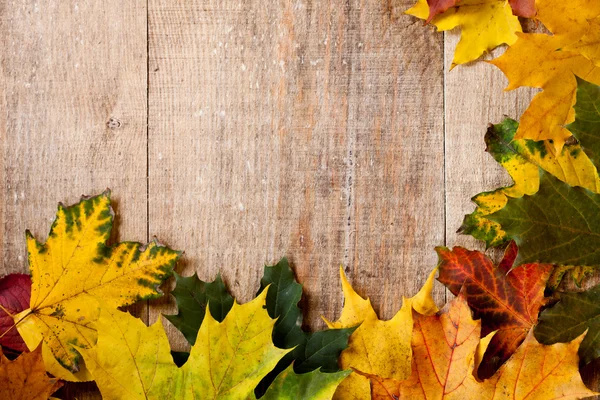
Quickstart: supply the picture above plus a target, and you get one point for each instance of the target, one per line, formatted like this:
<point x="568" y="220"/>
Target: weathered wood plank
<point x="73" y="116"/>
<point x="299" y="128"/>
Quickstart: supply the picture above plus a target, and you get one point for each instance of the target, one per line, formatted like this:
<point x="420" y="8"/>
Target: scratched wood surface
<point x="330" y="132"/>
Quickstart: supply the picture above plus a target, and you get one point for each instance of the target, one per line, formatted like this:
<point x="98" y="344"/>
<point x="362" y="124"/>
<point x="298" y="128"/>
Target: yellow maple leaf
<point x="227" y="361"/>
<point x="72" y="270"/>
<point x="375" y="342"/>
<point x="551" y="62"/>
<point x="25" y="378"/>
<point x="447" y="348"/>
<point x="485" y="25"/>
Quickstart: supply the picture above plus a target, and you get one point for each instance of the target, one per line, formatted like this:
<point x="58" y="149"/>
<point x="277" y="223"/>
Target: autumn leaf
<point x="551" y="62"/>
<point x="445" y="354"/>
<point x="559" y="224"/>
<point x="311" y="350"/>
<point x="193" y="296"/>
<point x="523" y="8"/>
<point x="72" y="270"/>
<point x="314" y="385"/>
<point x="376" y="342"/>
<point x="227" y="361"/>
<point x="484" y="25"/>
<point x="523" y="159"/>
<point x="586" y="127"/>
<point x="15" y="291"/>
<point x="506" y="299"/>
<point x="520" y="8"/>
<point x="569" y="318"/>
<point x="25" y="378"/>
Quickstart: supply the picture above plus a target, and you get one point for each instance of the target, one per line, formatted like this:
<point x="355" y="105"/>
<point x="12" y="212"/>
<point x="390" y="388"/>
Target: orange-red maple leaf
<point x="507" y="301"/>
<point x="446" y="351"/>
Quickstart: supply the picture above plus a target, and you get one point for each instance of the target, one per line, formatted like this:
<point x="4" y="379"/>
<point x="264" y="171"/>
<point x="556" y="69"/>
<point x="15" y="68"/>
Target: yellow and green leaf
<point x="523" y="159"/>
<point x="227" y="361"/>
<point x="74" y="268"/>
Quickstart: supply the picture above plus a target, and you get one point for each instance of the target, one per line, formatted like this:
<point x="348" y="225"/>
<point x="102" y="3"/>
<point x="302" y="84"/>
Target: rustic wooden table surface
<point x="328" y="131"/>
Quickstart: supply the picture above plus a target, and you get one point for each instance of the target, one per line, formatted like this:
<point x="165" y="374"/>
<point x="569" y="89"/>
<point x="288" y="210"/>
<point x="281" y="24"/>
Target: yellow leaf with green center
<point x="484" y="24"/>
<point x="72" y="270"/>
<point x="375" y="342"/>
<point x="523" y="159"/>
<point x="132" y="361"/>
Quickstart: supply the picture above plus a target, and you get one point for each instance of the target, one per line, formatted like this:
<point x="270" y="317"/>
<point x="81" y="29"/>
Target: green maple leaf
<point x="193" y="296"/>
<point x="586" y="127"/>
<point x="560" y="224"/>
<point x="311" y="350"/>
<point x="569" y="318"/>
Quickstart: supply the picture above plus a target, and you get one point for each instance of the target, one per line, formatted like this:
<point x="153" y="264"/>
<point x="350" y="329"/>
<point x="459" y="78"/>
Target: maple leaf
<point x="25" y="378"/>
<point x="485" y="24"/>
<point x="523" y="160"/>
<point x="227" y="361"/>
<point x="314" y="385"/>
<point x="193" y="296"/>
<point x="15" y="291"/>
<point x="311" y="351"/>
<point x="72" y="270"/>
<point x="569" y="318"/>
<point x="507" y="300"/>
<point x="586" y="127"/>
<point x="559" y="224"/>
<point x="446" y="347"/>
<point x="551" y="62"/>
<point x="376" y="342"/>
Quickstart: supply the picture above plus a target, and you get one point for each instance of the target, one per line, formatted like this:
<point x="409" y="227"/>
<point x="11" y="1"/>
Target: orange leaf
<point x="446" y="350"/>
<point x="25" y="378"/>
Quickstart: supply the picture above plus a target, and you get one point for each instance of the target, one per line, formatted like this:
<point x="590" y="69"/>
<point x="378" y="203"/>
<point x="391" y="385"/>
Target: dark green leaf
<point x="192" y="296"/>
<point x="312" y="350"/>
<point x="569" y="318"/>
<point x="560" y="224"/>
<point x="586" y="127"/>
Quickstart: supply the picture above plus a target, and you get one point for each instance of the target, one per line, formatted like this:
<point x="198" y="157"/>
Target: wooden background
<point x="328" y="131"/>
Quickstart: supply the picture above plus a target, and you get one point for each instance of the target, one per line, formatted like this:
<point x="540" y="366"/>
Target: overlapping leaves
<point x="74" y="268"/>
<point x="309" y="351"/>
<point x="484" y="24"/>
<point x="552" y="62"/>
<point x="506" y="300"/>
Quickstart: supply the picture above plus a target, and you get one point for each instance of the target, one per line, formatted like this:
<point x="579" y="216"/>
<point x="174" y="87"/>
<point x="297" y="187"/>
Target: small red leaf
<point x="15" y="292"/>
<point x="438" y="7"/>
<point x="523" y="8"/>
<point x="507" y="300"/>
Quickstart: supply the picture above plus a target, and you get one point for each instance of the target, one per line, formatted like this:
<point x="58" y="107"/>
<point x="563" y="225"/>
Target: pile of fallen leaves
<point x="508" y="333"/>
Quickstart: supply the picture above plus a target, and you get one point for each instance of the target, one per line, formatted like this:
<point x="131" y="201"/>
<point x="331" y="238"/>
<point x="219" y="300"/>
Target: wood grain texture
<point x="298" y="128"/>
<point x="73" y="118"/>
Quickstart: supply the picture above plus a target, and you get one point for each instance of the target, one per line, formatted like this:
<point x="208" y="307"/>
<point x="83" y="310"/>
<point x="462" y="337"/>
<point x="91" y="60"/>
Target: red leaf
<point x="439" y="6"/>
<point x="506" y="300"/>
<point x="523" y="8"/>
<point x="15" y="292"/>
